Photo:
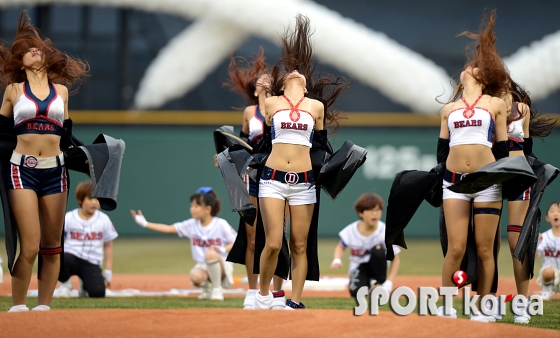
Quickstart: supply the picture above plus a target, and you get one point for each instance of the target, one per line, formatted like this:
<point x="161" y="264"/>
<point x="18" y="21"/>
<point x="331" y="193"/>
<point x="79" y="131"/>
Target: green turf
<point x="171" y="255"/>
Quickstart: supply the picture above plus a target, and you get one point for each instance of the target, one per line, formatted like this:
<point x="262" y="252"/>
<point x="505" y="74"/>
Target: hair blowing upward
<point x="60" y="67"/>
<point x="482" y="54"/>
<point x="243" y="79"/>
<point x="297" y="52"/>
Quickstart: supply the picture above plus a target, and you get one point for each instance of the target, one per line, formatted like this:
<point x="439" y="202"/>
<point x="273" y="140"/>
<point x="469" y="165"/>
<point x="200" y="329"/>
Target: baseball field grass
<point x="165" y="255"/>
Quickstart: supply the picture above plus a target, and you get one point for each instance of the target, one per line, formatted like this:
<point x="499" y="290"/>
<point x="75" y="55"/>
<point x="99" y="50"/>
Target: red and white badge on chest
<point x="294" y="115"/>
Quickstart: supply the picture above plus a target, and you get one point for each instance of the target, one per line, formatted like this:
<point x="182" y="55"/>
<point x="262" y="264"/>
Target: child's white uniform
<point x="360" y="245"/>
<point x="218" y="233"/>
<point x="549" y="250"/>
<point x="85" y="238"/>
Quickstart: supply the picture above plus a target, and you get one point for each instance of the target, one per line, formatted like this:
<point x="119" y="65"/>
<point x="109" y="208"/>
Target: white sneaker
<point x="41" y="308"/>
<point x="481" y="318"/>
<point x="65" y="289"/>
<point x="249" y="300"/>
<point x="497" y="316"/>
<point x="547" y="295"/>
<point x="217" y="293"/>
<point x="263" y="302"/>
<point x="523" y="318"/>
<point x="19" y="308"/>
<point x="440" y="313"/>
<point x="206" y="291"/>
<point x="547" y="291"/>
<point x="278" y="300"/>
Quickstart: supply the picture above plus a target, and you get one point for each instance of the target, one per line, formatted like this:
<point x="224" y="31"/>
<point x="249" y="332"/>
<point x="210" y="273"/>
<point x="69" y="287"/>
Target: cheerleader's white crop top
<point x="256" y="126"/>
<point x="515" y="128"/>
<point x="470" y="125"/>
<point x="293" y="125"/>
<point x="34" y="116"/>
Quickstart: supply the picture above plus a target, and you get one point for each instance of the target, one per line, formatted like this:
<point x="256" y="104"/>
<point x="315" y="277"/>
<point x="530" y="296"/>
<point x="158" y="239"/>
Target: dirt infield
<point x="226" y="322"/>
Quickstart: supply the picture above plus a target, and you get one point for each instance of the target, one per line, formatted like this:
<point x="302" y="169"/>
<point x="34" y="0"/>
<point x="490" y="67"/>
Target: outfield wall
<point x="165" y="164"/>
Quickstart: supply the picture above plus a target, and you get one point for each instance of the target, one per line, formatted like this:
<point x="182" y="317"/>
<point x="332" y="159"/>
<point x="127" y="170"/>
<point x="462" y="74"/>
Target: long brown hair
<point x="60" y="67"/>
<point x="540" y="126"/>
<point x="297" y="54"/>
<point x="243" y="75"/>
<point x="482" y="54"/>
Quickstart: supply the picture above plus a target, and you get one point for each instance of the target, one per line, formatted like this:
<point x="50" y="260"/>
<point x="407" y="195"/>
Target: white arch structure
<point x="371" y="57"/>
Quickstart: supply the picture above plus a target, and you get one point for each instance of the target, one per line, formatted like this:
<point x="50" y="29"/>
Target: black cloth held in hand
<point x="500" y="149"/>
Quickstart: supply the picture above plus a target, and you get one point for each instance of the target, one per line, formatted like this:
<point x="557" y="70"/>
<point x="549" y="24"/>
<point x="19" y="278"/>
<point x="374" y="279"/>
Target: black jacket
<point x="528" y="238"/>
<point x="410" y="188"/>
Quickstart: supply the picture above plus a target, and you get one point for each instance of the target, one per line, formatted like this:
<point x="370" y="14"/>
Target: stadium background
<point x="169" y="150"/>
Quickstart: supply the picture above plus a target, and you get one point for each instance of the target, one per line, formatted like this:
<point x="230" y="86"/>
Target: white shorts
<point x="228" y="267"/>
<point x="295" y="194"/>
<point x="556" y="284"/>
<point x="490" y="194"/>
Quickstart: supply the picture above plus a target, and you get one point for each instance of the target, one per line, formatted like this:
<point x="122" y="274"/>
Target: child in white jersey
<point x="366" y="240"/>
<point x="88" y="241"/>
<point x="211" y="239"/>
<point x="549" y="249"/>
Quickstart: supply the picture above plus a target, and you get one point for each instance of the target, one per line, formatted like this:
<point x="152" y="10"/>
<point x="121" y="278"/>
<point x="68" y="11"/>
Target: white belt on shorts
<point x="33" y="162"/>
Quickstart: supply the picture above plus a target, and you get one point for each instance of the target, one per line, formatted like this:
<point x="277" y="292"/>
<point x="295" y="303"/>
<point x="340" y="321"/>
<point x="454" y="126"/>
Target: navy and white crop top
<point x="34" y="116"/>
<point x="515" y="130"/>
<point x="293" y="125"/>
<point x="470" y="125"/>
<point x="256" y="126"/>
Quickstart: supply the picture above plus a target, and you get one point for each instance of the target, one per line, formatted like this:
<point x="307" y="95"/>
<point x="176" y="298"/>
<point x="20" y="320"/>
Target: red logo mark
<point x="31" y="161"/>
<point x="509" y="297"/>
<point x="460" y="278"/>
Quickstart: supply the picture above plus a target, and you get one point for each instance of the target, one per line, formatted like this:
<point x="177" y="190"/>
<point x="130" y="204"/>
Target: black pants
<point x="90" y="274"/>
<point x="375" y="268"/>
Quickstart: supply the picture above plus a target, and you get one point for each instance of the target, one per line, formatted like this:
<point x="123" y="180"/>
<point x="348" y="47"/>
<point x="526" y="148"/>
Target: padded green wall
<point x="164" y="165"/>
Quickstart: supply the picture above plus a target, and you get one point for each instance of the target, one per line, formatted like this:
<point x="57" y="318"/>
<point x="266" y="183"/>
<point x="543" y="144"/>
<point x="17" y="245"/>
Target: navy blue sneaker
<point x="293" y="305"/>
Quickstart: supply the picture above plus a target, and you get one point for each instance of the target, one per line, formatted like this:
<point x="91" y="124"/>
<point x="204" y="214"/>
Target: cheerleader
<point x="251" y="82"/>
<point x="469" y="124"/>
<point x="295" y="118"/>
<point x="36" y="78"/>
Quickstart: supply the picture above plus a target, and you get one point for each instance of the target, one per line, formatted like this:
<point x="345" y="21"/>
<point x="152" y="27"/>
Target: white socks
<point x="263" y="302"/>
<point x="215" y="272"/>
